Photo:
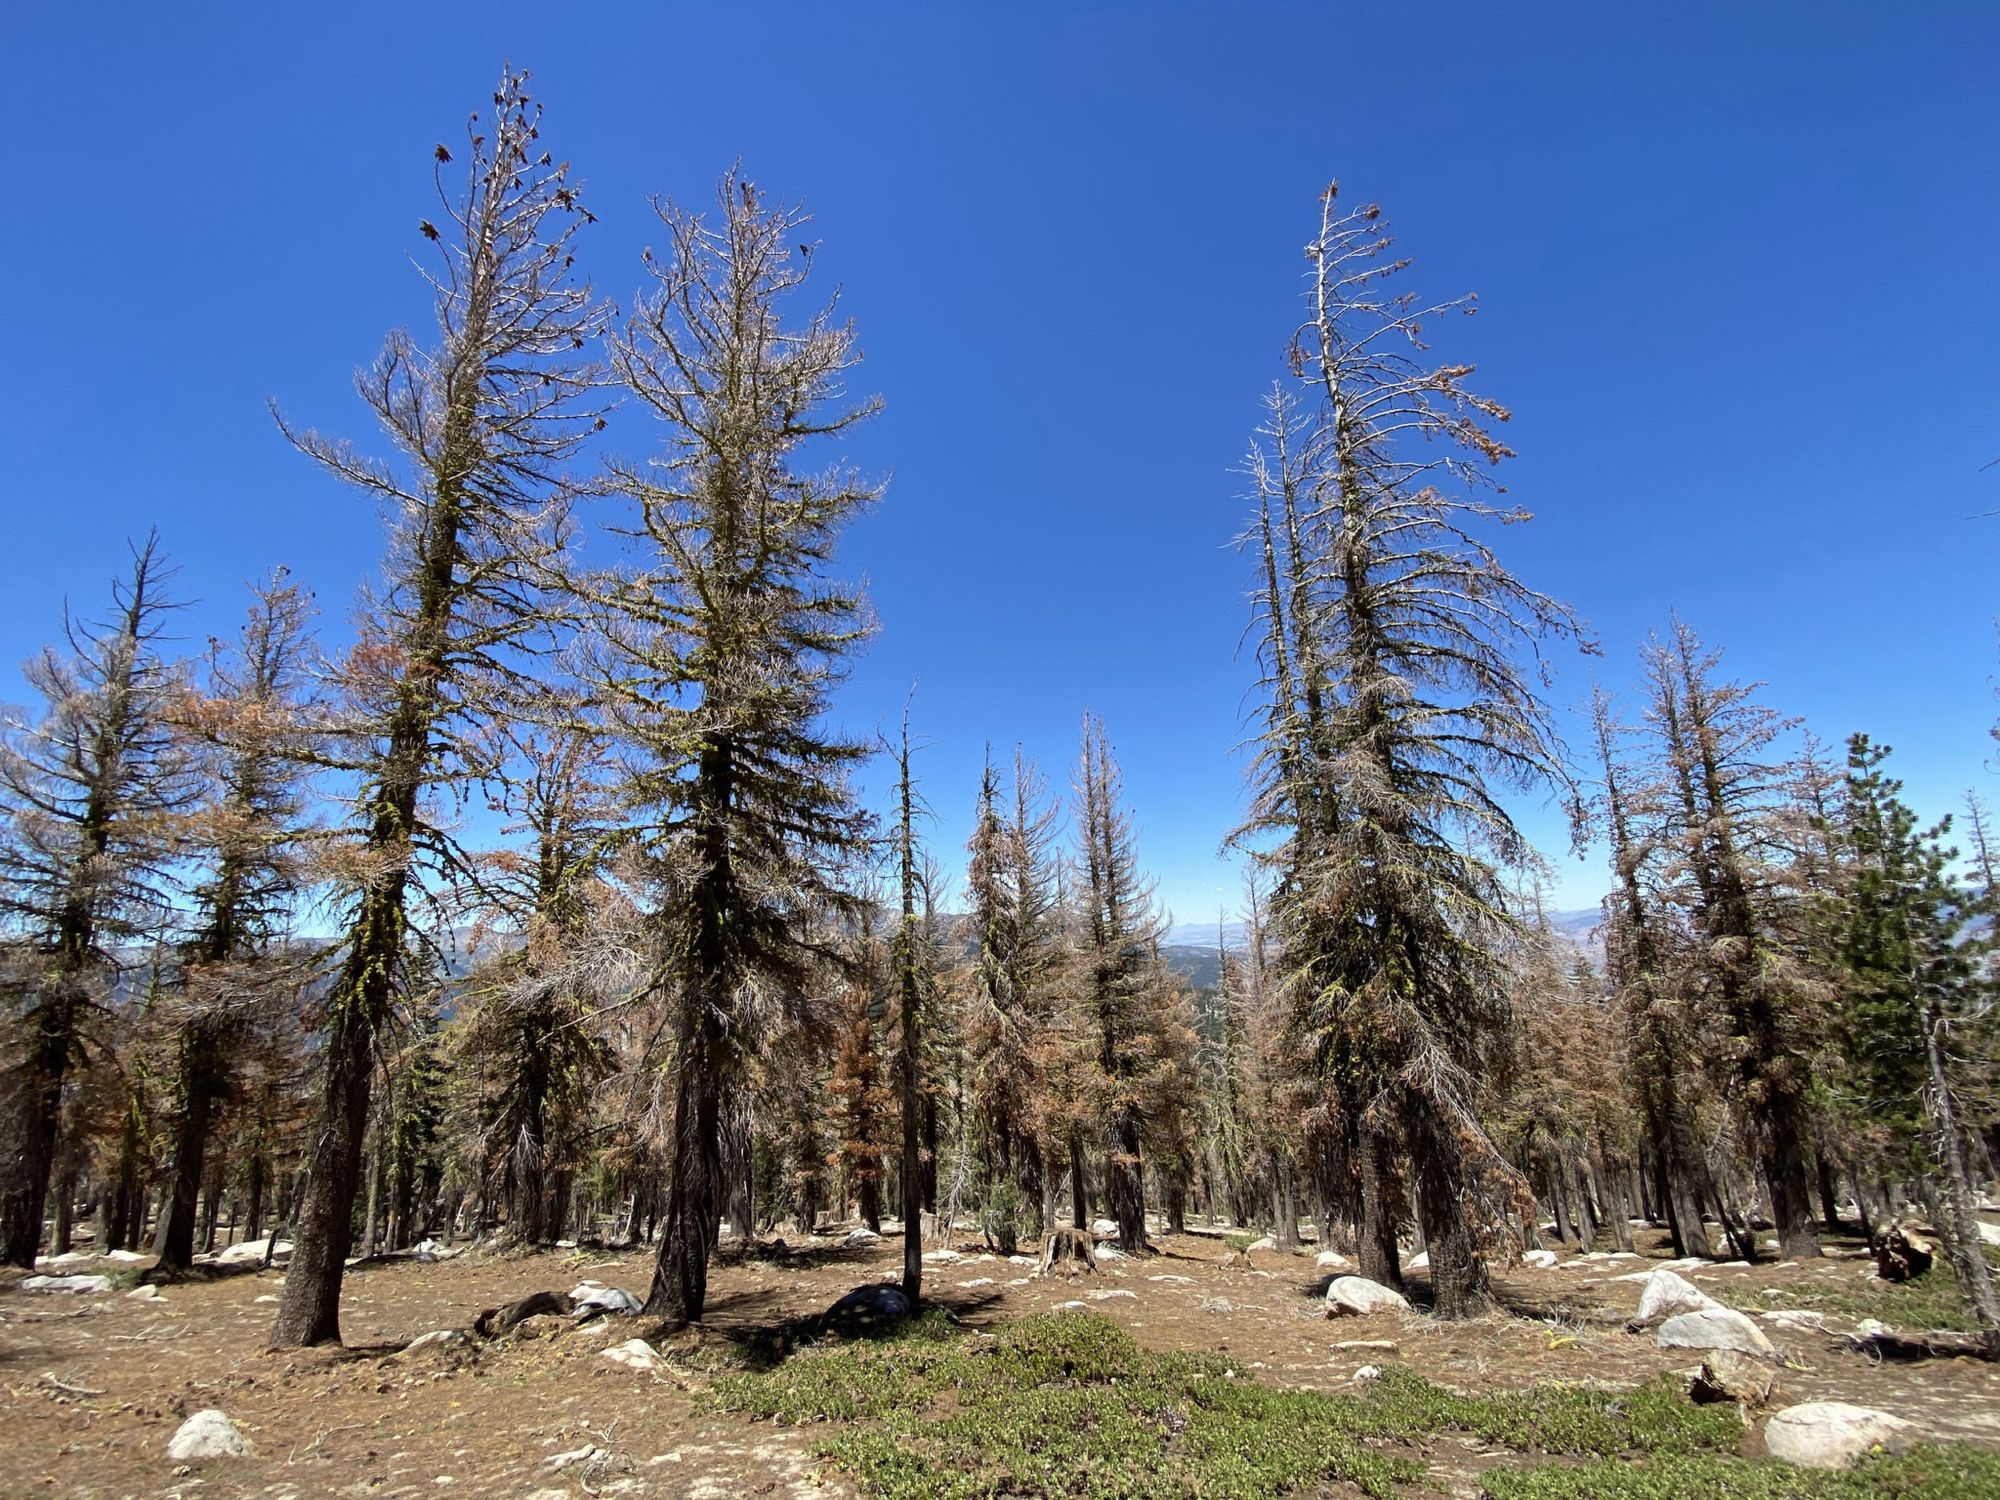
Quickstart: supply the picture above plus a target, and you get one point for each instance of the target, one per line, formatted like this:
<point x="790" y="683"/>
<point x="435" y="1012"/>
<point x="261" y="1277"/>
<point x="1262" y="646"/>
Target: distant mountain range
<point x="1190" y="947"/>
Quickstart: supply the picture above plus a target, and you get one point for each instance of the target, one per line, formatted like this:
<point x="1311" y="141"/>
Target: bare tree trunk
<point x="1125" y="1182"/>
<point x="680" y="1273"/>
<point x="197" y="1088"/>
<point x="1284" y="1201"/>
<point x="1381" y="1260"/>
<point x="1460" y="1284"/>
<point x="31" y="1143"/>
<point x="1079" y="1196"/>
<point x="1961" y="1216"/>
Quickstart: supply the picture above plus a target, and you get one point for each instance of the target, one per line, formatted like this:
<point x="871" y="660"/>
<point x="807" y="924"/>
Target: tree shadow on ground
<point x="761" y="1340"/>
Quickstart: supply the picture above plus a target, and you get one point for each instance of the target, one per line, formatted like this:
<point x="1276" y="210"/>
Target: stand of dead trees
<point x="548" y="910"/>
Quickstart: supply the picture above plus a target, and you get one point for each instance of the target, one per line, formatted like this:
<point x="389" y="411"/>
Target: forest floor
<point x="93" y="1386"/>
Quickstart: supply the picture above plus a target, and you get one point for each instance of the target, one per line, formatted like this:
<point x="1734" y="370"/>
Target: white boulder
<point x="1418" y="1262"/>
<point x="1716" y="1328"/>
<point x="634" y="1354"/>
<point x="81" y="1285"/>
<point x="1832" y="1434"/>
<point x="1989" y="1233"/>
<point x="1666" y="1294"/>
<point x="1542" y="1260"/>
<point x="1331" y="1260"/>
<point x="942" y="1257"/>
<point x="1266" y="1243"/>
<point x="207" y="1434"/>
<point x="855" y="1239"/>
<point x="1357" y="1294"/>
<point x="251" y="1253"/>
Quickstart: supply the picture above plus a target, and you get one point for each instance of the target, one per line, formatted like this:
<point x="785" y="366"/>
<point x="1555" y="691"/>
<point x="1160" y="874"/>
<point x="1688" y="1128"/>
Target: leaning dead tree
<point x="1406" y="697"/>
<point x="482" y="422"/>
<point x="723" y="645"/>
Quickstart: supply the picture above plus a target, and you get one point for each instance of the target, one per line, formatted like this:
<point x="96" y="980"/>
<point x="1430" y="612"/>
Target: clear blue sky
<point x="1736" y="265"/>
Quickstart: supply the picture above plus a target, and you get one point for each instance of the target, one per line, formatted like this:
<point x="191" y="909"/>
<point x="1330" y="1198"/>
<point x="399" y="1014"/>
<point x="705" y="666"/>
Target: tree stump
<point x="1900" y="1255"/>
<point x="1069" y="1251"/>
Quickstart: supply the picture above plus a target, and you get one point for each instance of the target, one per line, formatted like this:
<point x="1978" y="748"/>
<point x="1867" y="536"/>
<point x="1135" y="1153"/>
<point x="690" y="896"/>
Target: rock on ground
<point x="1716" y="1328"/>
<point x="1542" y="1260"/>
<point x="1666" y="1294"/>
<point x="251" y="1253"/>
<point x="634" y="1354"/>
<point x="436" y="1337"/>
<point x="82" y="1285"/>
<point x="1331" y="1260"/>
<point x="207" y="1434"/>
<point x="1832" y="1434"/>
<point x="866" y="1310"/>
<point x="1728" y="1376"/>
<point x="1357" y="1294"/>
<point x="854" y="1239"/>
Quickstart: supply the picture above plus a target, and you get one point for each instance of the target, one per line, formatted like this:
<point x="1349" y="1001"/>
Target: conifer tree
<point x="482" y="420"/>
<point x="1006" y="1006"/>
<point x="1121" y="932"/>
<point x="861" y="1101"/>
<point x="914" y="984"/>
<point x="1913" y="977"/>
<point x="88" y="793"/>
<point x="252" y="729"/>
<point x="723" y="648"/>
<point x="1642" y="962"/>
<point x="1389" y="902"/>
<point x="1741" y="898"/>
<point x="526" y="1021"/>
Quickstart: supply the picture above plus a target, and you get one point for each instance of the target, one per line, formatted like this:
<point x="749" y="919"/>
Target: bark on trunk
<point x="31" y="1144"/>
<point x="323" y="1231"/>
<point x="198" y="1087"/>
<point x="1381" y="1260"/>
<point x="680" y="1274"/>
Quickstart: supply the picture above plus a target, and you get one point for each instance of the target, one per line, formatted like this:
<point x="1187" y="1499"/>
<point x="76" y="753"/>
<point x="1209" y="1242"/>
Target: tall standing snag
<point x="1408" y="700"/>
<point x="723" y="647"/>
<point x="483" y="421"/>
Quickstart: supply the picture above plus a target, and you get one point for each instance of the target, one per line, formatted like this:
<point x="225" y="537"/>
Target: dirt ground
<point x="92" y="1387"/>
